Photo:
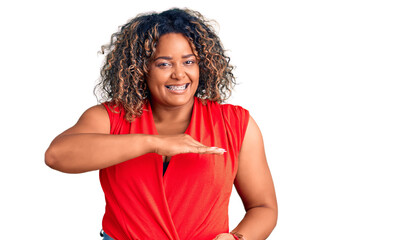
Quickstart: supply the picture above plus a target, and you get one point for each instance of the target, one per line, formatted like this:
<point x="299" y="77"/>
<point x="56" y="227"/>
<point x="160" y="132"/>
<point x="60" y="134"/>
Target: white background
<point x="327" y="82"/>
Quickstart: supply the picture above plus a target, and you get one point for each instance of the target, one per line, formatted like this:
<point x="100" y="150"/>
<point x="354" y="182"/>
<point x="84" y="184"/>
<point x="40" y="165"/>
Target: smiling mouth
<point x="177" y="88"/>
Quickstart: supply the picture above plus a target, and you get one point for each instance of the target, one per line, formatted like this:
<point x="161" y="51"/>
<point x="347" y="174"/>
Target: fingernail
<point x="218" y="149"/>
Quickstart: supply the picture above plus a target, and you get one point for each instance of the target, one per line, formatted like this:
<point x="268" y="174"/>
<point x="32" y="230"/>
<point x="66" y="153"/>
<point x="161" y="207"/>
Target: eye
<point x="163" y="64"/>
<point x="189" y="62"/>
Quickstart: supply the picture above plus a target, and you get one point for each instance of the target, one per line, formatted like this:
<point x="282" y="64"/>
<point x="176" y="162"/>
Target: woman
<point x="167" y="150"/>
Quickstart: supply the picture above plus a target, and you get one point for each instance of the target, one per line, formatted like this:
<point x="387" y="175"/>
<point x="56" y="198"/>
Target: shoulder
<point x="231" y="110"/>
<point x="116" y="111"/>
<point x="112" y="107"/>
<point x="235" y="119"/>
<point x="228" y="110"/>
<point x="94" y="120"/>
<point x="93" y="113"/>
<point x="235" y="113"/>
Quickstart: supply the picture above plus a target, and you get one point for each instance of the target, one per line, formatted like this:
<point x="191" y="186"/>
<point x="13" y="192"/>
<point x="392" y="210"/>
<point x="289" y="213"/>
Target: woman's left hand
<point x="224" y="236"/>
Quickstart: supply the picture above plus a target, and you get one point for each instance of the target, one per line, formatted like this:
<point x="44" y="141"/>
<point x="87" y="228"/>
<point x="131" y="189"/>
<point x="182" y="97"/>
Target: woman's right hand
<point x="89" y="146"/>
<point x="170" y="145"/>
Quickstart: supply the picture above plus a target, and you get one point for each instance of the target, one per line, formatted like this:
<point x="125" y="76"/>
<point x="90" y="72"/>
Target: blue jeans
<point x="105" y="236"/>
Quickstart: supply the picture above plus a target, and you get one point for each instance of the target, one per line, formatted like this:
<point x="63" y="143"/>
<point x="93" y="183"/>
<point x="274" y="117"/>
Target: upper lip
<point x="177" y="85"/>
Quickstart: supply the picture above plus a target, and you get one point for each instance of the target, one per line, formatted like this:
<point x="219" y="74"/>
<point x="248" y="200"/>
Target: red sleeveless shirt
<point x="191" y="200"/>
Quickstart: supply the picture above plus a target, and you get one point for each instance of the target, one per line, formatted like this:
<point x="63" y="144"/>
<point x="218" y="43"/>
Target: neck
<point x="177" y="117"/>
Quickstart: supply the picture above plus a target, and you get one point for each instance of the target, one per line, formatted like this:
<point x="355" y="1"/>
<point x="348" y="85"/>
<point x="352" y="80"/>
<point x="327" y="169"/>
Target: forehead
<point x="173" y="44"/>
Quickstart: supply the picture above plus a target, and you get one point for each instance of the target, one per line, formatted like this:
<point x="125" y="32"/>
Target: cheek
<point x="194" y="74"/>
<point x="156" y="77"/>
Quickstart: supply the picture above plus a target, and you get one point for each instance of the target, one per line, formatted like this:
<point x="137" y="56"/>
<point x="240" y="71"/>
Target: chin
<point x="180" y="100"/>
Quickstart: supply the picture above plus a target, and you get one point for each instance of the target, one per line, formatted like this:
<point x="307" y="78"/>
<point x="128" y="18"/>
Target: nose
<point x="178" y="72"/>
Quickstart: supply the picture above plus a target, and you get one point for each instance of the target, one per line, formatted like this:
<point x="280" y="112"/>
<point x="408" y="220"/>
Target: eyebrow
<point x="170" y="58"/>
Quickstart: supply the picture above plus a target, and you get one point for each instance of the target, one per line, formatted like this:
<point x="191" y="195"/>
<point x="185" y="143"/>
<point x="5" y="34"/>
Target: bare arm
<point x="88" y="145"/>
<point x="255" y="186"/>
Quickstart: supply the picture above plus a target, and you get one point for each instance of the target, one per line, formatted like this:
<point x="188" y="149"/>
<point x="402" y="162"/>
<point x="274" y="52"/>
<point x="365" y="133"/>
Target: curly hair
<point x="131" y="49"/>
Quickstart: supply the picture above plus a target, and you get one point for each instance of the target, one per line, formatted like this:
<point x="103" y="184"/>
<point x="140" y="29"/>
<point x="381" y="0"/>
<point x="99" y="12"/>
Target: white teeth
<point x="177" y="88"/>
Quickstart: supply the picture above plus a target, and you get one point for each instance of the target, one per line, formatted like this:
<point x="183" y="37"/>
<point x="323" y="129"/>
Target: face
<point x="174" y="73"/>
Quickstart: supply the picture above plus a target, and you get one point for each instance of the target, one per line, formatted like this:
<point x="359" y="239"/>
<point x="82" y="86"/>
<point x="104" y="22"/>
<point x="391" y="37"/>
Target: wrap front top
<point x="190" y="201"/>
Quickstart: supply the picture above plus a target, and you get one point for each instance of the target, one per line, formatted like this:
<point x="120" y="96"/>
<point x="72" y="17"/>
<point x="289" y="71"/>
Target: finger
<point x="217" y="150"/>
<point x="210" y="150"/>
